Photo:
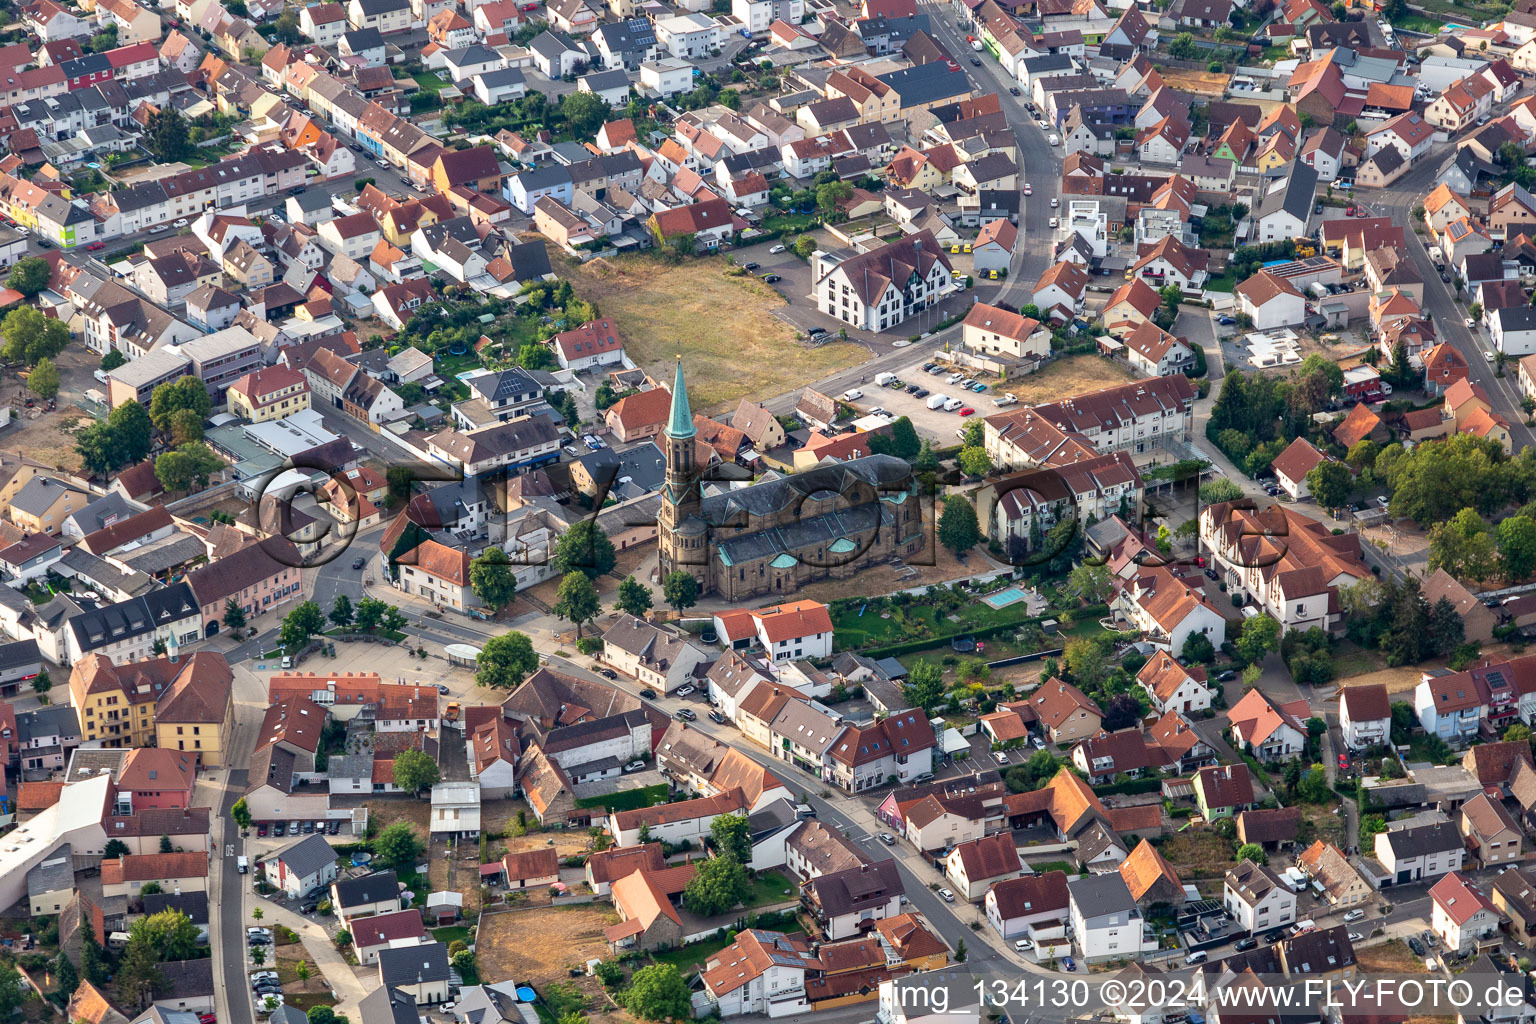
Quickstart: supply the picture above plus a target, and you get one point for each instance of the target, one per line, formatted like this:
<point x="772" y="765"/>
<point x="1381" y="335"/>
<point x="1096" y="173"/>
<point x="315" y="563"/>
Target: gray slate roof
<point x="307" y="856"/>
<point x="406" y="965"/>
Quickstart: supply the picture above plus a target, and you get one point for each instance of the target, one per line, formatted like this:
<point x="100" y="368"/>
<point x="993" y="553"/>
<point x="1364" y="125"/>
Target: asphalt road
<point x="231" y="917"/>
<point x="1398" y="202"/>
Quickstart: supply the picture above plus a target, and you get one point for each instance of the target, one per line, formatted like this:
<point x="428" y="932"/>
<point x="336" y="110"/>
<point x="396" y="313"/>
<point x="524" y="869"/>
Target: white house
<point x="304" y="867"/>
<point x="1365" y="716"/>
<point x="761" y="972"/>
<point x="1461" y="915"/>
<point x="688" y="36"/>
<point x="1257" y="899"/>
<point x="1513" y="330"/>
<point x="1272" y="731"/>
<point x="672" y="823"/>
<point x="857" y="288"/>
<point x="1170" y="686"/>
<point x="1420" y="851"/>
<point x="1106" y="922"/>
<point x="1016" y="906"/>
<point x="974" y="866"/>
<point x="666" y="77"/>
<point x="455" y="810"/>
<point x="1271" y="300"/>
<point x="1292" y="466"/>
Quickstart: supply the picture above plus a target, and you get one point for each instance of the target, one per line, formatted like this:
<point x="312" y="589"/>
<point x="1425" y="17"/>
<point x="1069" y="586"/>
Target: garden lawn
<point x="691" y="958"/>
<point x="870" y="630"/>
<point x="455" y="933"/>
<point x="768" y="889"/>
<point x="429" y="82"/>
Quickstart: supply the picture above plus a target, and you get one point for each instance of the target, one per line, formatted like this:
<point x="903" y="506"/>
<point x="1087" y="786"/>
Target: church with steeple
<point x="777" y="535"/>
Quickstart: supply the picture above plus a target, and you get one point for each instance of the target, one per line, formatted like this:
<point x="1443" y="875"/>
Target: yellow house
<point x="270" y="393"/>
<point x="116" y="705"/>
<point x="246" y="267"/>
<point x="197" y="711"/>
<point x="42" y="504"/>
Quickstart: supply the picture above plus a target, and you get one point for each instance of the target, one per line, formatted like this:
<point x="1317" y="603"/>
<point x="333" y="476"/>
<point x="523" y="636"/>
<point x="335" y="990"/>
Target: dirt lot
<point x="1205" y="82"/>
<point x="458" y="871"/>
<point x="538" y="947"/>
<point x="385" y="811"/>
<point x="732" y="344"/>
<point x="1389" y="957"/>
<point x="302" y="994"/>
<point x="1198" y="853"/>
<point x="567" y="843"/>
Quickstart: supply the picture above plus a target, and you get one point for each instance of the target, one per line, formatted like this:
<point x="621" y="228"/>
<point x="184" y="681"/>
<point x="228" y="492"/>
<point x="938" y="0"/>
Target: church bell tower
<point x="681" y="496"/>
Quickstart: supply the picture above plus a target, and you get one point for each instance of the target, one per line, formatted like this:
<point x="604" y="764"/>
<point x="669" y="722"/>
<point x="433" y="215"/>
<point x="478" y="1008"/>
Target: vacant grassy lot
<point x="1392" y="957"/>
<point x="538" y="947"/>
<point x="1198" y="853"/>
<point x="385" y="811"/>
<point x="732" y="344"/>
<point x="1070" y="376"/>
<point x="918" y="620"/>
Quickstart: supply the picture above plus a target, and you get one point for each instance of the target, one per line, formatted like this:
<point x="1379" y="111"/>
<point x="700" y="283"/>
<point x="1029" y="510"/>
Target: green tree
<point x="368" y="614"/>
<point x="658" y="992"/>
<point x="286" y="30"/>
<point x="1253" y="852"/>
<point x="1517" y="546"/>
<point x="303" y="622"/>
<point x="29" y="276"/>
<point x="927" y="461"/>
<point x="398" y="846"/>
<point x="830" y="194"/>
<point x="505" y="661"/>
<point x="168" y="136"/>
<point x="168" y="935"/>
<point x="1090" y="584"/>
<point x="804" y="246"/>
<point x="464" y="962"/>
<point x="680" y="589"/>
<point x="900" y="440"/>
<point x="241" y="813"/>
<point x="131" y="431"/>
<point x="633" y="598"/>
<point x="1314" y="786"/>
<point x="1447" y="629"/>
<point x="732" y="836"/>
<point x="491" y="578"/>
<point x="576" y="601"/>
<point x="974" y="461"/>
<point x="138" y="979"/>
<point x="1331" y="483"/>
<point x="584" y="548"/>
<point x="585" y="112"/>
<point x="186" y="467"/>
<point x="42" y="682"/>
<point x="234" y="615"/>
<point x="93" y="961"/>
<point x="30" y="336"/>
<point x="718" y="885"/>
<point x="1261" y="635"/>
<point x="43" y="381"/>
<point x="924" y="686"/>
<point x="1463" y="547"/>
<point x="112" y="360"/>
<point x="1197" y="649"/>
<point x="415" y="771"/>
<point x="957" y="525"/>
<point x="114" y="849"/>
<point x="185" y="392"/>
<point x="1086" y="661"/>
<point x="341" y="611"/>
<point x="1182" y="46"/>
<point x="66" y="978"/>
<point x="165" y="845"/>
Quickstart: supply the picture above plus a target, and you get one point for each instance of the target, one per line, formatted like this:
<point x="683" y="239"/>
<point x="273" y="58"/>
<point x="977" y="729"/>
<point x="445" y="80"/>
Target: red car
<point x="93" y="247"/>
<point x="207" y="1018"/>
<point x="967" y="411"/>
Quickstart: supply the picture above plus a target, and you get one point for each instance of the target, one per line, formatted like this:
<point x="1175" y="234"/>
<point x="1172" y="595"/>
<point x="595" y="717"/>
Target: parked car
<point x="648" y="693"/>
<point x="946" y="896"/>
<point x="1242" y="945"/>
<point x="887" y="839"/>
<point x="1353" y="915"/>
<point x="608" y="673"/>
<point x="634" y="766"/>
<point x="852" y="395"/>
<point x="771" y="279"/>
<point x="1069" y="963"/>
<point x="999" y="757"/>
<point x="717" y="718"/>
<point x="1226" y="321"/>
<point x="94" y="247"/>
<point x="1415" y="945"/>
<point x="775" y="250"/>
<point x="1227" y="676"/>
<point x="685" y="715"/>
<point x="683" y="691"/>
<point x="751" y="267"/>
<point x="967" y="411"/>
<point x="261" y="830"/>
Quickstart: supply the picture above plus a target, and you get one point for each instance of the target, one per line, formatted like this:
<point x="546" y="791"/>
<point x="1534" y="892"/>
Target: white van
<point x="242" y="865"/>
<point x="951" y="404"/>
<point x="882" y="379"/>
<point x="935" y="401"/>
<point x="852" y="395"/>
<point x="1053" y="139"/>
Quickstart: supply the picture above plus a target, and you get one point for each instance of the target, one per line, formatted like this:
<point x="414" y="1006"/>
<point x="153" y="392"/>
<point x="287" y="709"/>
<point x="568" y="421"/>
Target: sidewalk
<point x="340" y="975"/>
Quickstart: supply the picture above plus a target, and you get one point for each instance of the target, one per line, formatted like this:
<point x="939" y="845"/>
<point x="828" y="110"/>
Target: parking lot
<point x="936" y="424"/>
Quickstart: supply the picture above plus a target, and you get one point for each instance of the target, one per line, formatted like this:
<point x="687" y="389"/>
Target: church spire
<point x="680" y="425"/>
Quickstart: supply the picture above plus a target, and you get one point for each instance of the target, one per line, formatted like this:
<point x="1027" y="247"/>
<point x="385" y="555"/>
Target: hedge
<point x="628" y="800"/>
<point x="1130" y="786"/>
<point x="980" y="633"/>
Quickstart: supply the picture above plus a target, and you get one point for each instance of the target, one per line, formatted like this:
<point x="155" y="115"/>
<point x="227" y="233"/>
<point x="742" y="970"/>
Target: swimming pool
<point x="1004" y="598"/>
